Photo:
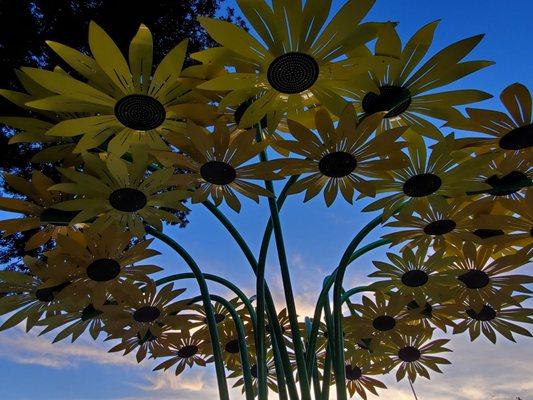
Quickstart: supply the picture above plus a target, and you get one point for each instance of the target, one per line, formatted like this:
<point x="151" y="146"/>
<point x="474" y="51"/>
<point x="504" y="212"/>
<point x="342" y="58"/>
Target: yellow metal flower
<point x="345" y="158"/>
<point x="435" y="221"/>
<point x="510" y="132"/>
<point x="100" y="263"/>
<point x="298" y="69"/>
<point x="438" y="173"/>
<point x="434" y="314"/>
<point x="500" y="315"/>
<point x="185" y="351"/>
<point x="117" y="191"/>
<point x="380" y="320"/>
<point x="146" y="309"/>
<point x="415" y="274"/>
<point x="402" y="81"/>
<point x="217" y="162"/>
<point x="76" y="321"/>
<point x="128" y="102"/>
<point x="230" y="345"/>
<point x="482" y="274"/>
<point x="359" y="376"/>
<point x="147" y="344"/>
<point x="31" y="297"/>
<point x="415" y="354"/>
<point x="38" y="209"/>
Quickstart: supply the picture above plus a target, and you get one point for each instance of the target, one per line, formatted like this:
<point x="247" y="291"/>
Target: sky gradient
<point x="30" y="367"/>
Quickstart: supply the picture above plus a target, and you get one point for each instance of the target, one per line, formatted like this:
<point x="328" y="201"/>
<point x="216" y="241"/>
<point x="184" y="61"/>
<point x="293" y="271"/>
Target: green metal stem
<point x="287" y="287"/>
<point x="241" y="339"/>
<point x="208" y="307"/>
<point x="329" y="353"/>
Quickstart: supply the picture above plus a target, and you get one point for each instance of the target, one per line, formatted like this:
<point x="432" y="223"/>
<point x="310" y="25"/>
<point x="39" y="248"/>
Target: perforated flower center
<point x="384" y="323"/>
<point x="422" y="185"/>
<point x="474" y="279"/>
<point x="218" y="173"/>
<point x="488" y="233"/>
<point x="90" y="312"/>
<point x="512" y="180"/>
<point x="127" y="200"/>
<point x="394" y="99"/>
<point x="47" y="295"/>
<point x="187" y="351"/>
<point x="148" y="337"/>
<point x="440" y="227"/>
<point x="232" y="346"/>
<point x="415" y="278"/>
<point x="103" y="270"/>
<point x="140" y="112"/>
<point x="352" y="372"/>
<point x="337" y="164"/>
<point x="146" y="314"/>
<point x="518" y="139"/>
<point x="487" y="313"/>
<point x="409" y="354"/>
<point x="292" y="72"/>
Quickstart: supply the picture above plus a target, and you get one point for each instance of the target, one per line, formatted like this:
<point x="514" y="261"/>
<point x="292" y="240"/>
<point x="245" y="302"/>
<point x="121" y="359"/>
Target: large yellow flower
<point x="38" y="210"/>
<point x="296" y="71"/>
<point x="184" y="351"/>
<point x="128" y="102"/>
<point x="415" y="274"/>
<point x="443" y="172"/>
<point x="482" y="275"/>
<point x="401" y="85"/>
<point x="415" y="354"/>
<point x="100" y="263"/>
<point x="117" y="191"/>
<point x="345" y="158"/>
<point x="31" y="296"/>
<point x="236" y="373"/>
<point x="510" y="132"/>
<point x="217" y="162"/>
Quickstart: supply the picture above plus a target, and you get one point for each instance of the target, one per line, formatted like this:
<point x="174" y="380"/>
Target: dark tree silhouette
<point x="26" y="24"/>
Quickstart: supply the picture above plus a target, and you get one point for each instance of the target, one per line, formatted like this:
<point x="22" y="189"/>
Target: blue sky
<point x="316" y="237"/>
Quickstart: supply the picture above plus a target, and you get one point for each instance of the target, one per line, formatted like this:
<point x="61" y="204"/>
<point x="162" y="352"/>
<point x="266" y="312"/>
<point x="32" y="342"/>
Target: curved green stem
<point x="287" y="288"/>
<point x="215" y="278"/>
<point x="208" y="307"/>
<point x="241" y="339"/>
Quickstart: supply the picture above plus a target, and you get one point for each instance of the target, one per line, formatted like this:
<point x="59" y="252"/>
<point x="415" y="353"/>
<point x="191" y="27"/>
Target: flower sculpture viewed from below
<point x="301" y="101"/>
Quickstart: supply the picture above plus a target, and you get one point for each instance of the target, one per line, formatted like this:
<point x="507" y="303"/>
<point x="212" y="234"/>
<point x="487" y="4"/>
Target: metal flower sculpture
<point x="299" y="100"/>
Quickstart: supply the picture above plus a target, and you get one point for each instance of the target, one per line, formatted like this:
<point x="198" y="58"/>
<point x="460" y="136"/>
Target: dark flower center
<point x="103" y="269"/>
<point x="253" y="370"/>
<point x="232" y="346"/>
<point x="239" y="112"/>
<point x="140" y="112"/>
<point x="474" y="279"/>
<point x="292" y="72"/>
<point x="46" y="295"/>
<point x="425" y="312"/>
<point x="422" y="185"/>
<point x="146" y="314"/>
<point x="440" y="227"/>
<point x="127" y="200"/>
<point x="57" y="217"/>
<point x="409" y="354"/>
<point x="511" y="181"/>
<point x="353" y="372"/>
<point x="187" y="351"/>
<point x="218" y="172"/>
<point x="415" y="278"/>
<point x="487" y="313"/>
<point x="384" y="323"/>
<point x="337" y="164"/>
<point x="488" y="233"/>
<point x="90" y="312"/>
<point x="394" y="99"/>
<point x="518" y="139"/>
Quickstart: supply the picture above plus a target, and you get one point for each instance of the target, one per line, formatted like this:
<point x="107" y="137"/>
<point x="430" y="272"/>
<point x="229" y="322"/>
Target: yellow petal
<point x="168" y="71"/>
<point x="140" y="58"/>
